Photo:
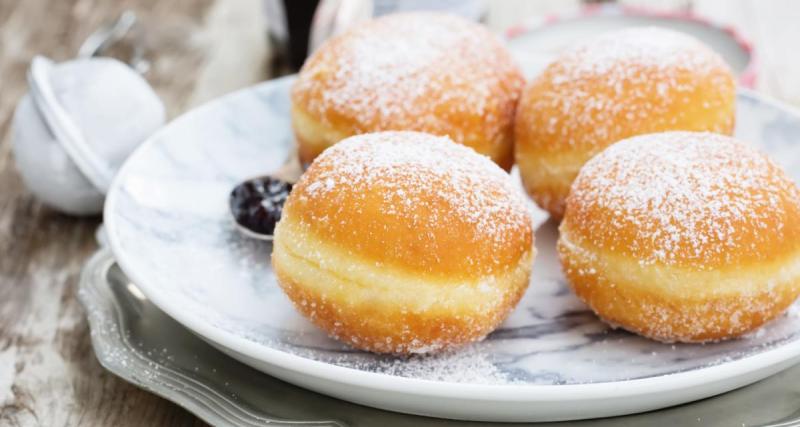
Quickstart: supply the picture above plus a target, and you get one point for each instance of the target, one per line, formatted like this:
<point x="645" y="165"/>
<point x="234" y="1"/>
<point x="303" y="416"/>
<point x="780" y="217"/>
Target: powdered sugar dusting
<point x="434" y="191"/>
<point x="470" y="365"/>
<point x="700" y="199"/>
<point x="645" y="46"/>
<point x="415" y="71"/>
<point x="630" y="82"/>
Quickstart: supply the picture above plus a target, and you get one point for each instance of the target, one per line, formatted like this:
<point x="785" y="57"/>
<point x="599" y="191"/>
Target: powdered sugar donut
<point x="403" y="242"/>
<point x="419" y="71"/>
<point x="683" y="236"/>
<point x="618" y="85"/>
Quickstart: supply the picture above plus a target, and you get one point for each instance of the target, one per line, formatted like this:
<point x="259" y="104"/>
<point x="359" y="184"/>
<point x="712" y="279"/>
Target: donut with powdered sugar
<point x="404" y="242"/>
<point x="620" y="84"/>
<point x="419" y="71"/>
<point x="683" y="236"/>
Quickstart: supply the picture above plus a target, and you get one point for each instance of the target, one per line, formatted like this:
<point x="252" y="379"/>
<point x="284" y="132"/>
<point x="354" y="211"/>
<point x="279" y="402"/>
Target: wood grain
<point x="48" y="373"/>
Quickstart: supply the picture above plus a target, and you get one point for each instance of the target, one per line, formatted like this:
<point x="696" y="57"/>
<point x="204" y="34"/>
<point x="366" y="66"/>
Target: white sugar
<point x="628" y="82"/>
<point x="424" y="180"/>
<point x="414" y="71"/>
<point x="698" y="195"/>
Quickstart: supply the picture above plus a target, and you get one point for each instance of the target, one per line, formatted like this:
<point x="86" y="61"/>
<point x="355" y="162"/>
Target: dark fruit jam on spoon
<point x="256" y="205"/>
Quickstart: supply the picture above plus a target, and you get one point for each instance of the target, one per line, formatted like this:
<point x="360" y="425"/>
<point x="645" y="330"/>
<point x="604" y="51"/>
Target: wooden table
<point x="48" y="372"/>
<point x="199" y="49"/>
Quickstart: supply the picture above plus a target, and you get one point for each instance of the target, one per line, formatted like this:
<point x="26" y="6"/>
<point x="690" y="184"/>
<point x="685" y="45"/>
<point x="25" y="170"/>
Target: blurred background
<point x="192" y="51"/>
<point x="200" y="49"/>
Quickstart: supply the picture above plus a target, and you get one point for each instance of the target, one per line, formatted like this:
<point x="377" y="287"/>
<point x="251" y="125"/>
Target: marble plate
<point x="167" y="223"/>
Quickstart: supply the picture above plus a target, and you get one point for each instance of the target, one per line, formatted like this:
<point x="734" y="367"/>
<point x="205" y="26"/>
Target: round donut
<point x="404" y="242"/>
<point x="621" y="84"/>
<point x="683" y="236"/>
<point x="420" y="71"/>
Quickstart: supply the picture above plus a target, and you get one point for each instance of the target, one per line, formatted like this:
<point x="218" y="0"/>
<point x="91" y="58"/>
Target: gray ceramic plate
<point x="138" y="342"/>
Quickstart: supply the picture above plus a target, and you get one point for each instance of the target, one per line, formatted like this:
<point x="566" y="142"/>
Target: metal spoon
<point x="256" y="203"/>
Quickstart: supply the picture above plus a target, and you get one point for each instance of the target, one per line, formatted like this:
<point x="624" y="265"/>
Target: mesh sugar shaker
<point x="80" y="120"/>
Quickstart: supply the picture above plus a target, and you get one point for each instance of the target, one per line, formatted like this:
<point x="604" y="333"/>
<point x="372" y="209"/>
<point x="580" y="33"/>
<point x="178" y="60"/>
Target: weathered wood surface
<point x="199" y="49"/>
<point x="48" y="373"/>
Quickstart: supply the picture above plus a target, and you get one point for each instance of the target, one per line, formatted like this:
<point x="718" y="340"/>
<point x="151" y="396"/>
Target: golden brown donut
<point x="621" y="84"/>
<point x="404" y="242"/>
<point x="683" y="236"/>
<point x="419" y="71"/>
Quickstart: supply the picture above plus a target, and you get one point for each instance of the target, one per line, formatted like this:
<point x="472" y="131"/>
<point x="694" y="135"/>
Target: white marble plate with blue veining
<point x="169" y="228"/>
